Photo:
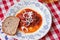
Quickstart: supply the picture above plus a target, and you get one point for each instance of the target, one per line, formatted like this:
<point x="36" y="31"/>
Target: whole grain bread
<point x="10" y="25"/>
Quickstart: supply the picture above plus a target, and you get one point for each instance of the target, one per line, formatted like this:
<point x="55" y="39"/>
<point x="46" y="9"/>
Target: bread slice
<point x="10" y="25"/>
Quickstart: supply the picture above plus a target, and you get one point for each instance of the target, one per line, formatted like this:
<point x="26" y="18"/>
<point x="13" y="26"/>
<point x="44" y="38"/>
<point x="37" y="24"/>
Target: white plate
<point x="37" y="6"/>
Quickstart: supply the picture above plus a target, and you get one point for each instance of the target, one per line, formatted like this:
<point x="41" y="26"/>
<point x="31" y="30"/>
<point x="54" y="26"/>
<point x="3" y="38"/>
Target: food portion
<point x="30" y="20"/>
<point x="27" y="21"/>
<point x="10" y="25"/>
<point x="49" y="1"/>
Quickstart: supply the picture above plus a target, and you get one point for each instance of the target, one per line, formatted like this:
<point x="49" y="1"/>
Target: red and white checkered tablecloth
<point x="54" y="33"/>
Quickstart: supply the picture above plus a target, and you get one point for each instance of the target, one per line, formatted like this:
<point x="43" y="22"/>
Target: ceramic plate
<point x="42" y="31"/>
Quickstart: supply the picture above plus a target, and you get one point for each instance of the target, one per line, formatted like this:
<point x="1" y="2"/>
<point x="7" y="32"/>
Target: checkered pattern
<point x="54" y="33"/>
